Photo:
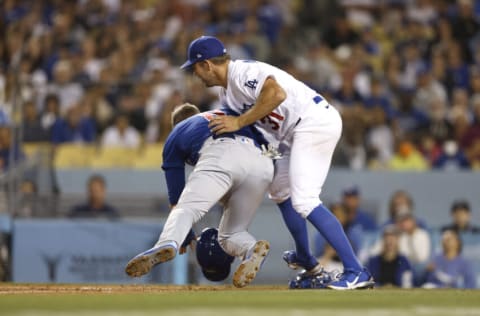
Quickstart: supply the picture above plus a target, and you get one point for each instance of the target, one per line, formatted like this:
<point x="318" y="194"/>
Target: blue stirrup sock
<point x="297" y="226"/>
<point x="329" y="226"/>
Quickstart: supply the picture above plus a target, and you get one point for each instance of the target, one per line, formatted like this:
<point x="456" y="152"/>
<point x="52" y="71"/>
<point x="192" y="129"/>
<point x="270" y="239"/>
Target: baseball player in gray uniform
<point x="229" y="168"/>
<point x="294" y="114"/>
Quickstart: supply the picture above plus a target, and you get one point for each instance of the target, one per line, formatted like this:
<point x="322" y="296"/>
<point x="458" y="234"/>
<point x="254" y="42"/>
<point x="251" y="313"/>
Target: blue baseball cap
<point x="202" y="48"/>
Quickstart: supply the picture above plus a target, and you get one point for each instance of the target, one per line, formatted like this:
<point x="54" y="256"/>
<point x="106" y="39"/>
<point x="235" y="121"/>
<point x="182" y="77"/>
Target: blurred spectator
<point x="461" y="218"/>
<point x="438" y="126"/>
<point x="33" y="130"/>
<point x="69" y="92"/>
<point x="450" y="269"/>
<point x="51" y="111"/>
<point x="28" y="205"/>
<point x="427" y="90"/>
<point x="340" y="32"/>
<point x="96" y="205"/>
<point x="407" y="158"/>
<point x="465" y="26"/>
<point x="95" y="106"/>
<point x="472" y="133"/>
<point x="3" y="118"/>
<point x="414" y="241"/>
<point x="429" y="148"/>
<point x="74" y="128"/>
<point x="350" y="151"/>
<point x="121" y="134"/>
<point x="112" y="56"/>
<point x="356" y="216"/>
<point x="5" y="261"/>
<point x="329" y="259"/>
<point x="390" y="267"/>
<point x="255" y="41"/>
<point x="354" y="235"/>
<point x="6" y="149"/>
<point x="400" y="201"/>
<point x="379" y="139"/>
<point x="422" y="11"/>
<point x="451" y="158"/>
<point x="457" y="68"/>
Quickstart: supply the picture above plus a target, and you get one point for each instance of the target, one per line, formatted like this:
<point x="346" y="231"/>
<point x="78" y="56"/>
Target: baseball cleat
<point x="311" y="267"/>
<point x="352" y="280"/>
<point x="247" y="270"/>
<point x="320" y="280"/>
<point x="142" y="263"/>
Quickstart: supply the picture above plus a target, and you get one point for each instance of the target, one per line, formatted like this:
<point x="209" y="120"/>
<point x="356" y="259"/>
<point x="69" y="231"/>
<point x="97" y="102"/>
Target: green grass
<point x="251" y="302"/>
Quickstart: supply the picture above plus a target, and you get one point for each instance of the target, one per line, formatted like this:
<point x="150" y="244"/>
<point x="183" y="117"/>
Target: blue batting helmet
<point x="214" y="261"/>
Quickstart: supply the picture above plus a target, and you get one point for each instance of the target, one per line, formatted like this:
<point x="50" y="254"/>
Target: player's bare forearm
<point x="271" y="96"/>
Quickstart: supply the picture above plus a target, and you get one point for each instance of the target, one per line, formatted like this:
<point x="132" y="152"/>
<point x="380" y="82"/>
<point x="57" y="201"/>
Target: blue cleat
<point x="142" y="263"/>
<point x="320" y="280"/>
<point x="351" y="280"/>
<point x="247" y="270"/>
<point x="293" y="262"/>
<point x="290" y="257"/>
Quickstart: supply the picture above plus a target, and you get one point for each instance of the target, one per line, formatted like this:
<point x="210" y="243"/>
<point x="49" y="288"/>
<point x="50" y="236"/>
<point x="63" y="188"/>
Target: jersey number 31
<point x="273" y="119"/>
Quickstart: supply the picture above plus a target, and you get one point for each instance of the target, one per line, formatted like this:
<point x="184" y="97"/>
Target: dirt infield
<point x="7" y="288"/>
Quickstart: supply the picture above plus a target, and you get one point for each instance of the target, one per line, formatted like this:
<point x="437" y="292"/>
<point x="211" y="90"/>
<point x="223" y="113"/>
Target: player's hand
<point x="224" y="123"/>
<point x="189" y="241"/>
<point x="183" y="250"/>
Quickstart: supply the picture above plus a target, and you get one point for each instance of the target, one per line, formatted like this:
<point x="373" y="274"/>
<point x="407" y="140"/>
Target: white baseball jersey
<point x="304" y="121"/>
<point x="245" y="81"/>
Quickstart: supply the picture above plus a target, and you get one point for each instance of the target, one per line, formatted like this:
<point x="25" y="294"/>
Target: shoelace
<point x="340" y="276"/>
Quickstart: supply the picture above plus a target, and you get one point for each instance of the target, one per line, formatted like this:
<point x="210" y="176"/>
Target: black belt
<point x="225" y="135"/>
<point x="232" y="136"/>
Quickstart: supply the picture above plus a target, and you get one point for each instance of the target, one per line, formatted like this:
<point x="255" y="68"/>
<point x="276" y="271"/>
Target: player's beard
<point x="208" y="83"/>
<point x="208" y="80"/>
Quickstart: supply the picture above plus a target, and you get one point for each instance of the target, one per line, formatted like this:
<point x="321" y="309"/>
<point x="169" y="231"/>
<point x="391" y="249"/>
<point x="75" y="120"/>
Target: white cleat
<point x="247" y="270"/>
<point x="142" y="263"/>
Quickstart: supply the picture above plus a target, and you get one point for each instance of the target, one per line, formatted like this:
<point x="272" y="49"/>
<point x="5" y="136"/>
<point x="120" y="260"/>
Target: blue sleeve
<point x="175" y="178"/>
<point x="174" y="167"/>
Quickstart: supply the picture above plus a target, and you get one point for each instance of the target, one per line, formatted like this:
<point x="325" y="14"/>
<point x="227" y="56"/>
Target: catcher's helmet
<point x="214" y="261"/>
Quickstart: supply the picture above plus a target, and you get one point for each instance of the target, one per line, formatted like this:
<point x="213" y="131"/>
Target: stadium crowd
<point x="405" y="251"/>
<point x="405" y="75"/>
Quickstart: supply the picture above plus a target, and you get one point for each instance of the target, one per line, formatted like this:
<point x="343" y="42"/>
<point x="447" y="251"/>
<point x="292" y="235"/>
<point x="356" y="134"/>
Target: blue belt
<point x="317" y="99"/>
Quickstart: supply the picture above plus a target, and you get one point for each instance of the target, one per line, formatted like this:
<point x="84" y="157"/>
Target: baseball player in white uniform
<point x="295" y="115"/>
